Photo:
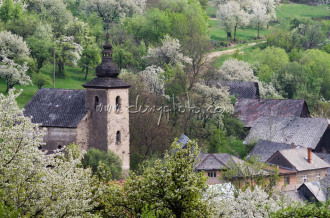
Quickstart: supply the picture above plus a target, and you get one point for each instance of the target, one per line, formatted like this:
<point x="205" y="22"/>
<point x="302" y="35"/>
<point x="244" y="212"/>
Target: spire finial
<point x="107" y="68"/>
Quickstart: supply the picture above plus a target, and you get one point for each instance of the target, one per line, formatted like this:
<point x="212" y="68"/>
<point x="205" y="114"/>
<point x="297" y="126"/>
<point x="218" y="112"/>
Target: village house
<point x="298" y="166"/>
<point x="250" y="110"/>
<point x="96" y="117"/>
<point x="311" y="133"/>
<point x="214" y="165"/>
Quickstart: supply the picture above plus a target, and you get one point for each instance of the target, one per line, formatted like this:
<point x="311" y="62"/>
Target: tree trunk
<point x="258" y="32"/>
<point x="86" y="72"/>
<point x="60" y="68"/>
<point x="235" y="33"/>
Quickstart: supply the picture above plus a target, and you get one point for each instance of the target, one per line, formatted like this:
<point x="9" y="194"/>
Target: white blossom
<point x="153" y="79"/>
<point x="14" y="74"/>
<point x="256" y="203"/>
<point x="110" y="10"/>
<point x="39" y="185"/>
<point x="69" y="49"/>
<point x="232" y="15"/>
<point x="236" y="70"/>
<point x="259" y="15"/>
<point x="217" y="97"/>
<point x="13" y="46"/>
<point x="168" y="53"/>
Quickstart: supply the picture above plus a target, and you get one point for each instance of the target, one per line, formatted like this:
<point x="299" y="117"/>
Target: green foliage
<point x="7" y="210"/>
<point x="41" y="80"/>
<point x="171" y="188"/>
<point x="234" y="127"/>
<point x="150" y="28"/>
<point x="122" y="56"/>
<point x="103" y="164"/>
<point x="176" y="81"/>
<point x="319" y="64"/>
<point x="9" y="10"/>
<point x="91" y="55"/>
<point x="41" y="44"/>
<point x="270" y="60"/>
<point x="302" y="210"/>
<point x="326" y="48"/>
<point x="24" y="26"/>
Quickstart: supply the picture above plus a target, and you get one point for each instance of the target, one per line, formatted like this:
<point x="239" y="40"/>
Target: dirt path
<point x="216" y="54"/>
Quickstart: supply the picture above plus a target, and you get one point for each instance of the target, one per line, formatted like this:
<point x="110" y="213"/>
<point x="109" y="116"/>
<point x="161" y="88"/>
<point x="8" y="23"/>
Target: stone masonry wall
<point x="98" y="119"/>
<point x="82" y="137"/>
<point x="119" y="121"/>
<point x="55" y="137"/>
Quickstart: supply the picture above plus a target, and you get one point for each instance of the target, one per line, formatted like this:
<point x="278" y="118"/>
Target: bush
<point x="108" y="161"/>
<point x="41" y="80"/>
<point x="309" y="210"/>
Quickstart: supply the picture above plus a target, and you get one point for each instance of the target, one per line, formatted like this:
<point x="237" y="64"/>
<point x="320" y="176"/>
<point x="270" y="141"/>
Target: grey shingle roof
<point x="106" y="83"/>
<point x="213" y="161"/>
<point x="183" y="140"/>
<point x="305" y="132"/>
<point x="224" y="161"/>
<point x="298" y="158"/>
<point x="324" y="156"/>
<point x="316" y="190"/>
<point x="249" y="110"/>
<point x="239" y="88"/>
<point x="265" y="149"/>
<point x="57" y="107"/>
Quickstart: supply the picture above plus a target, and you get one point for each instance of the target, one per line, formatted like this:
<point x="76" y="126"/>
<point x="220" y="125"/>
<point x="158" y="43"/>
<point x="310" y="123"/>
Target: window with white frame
<point x="318" y="176"/>
<point x="304" y="178"/>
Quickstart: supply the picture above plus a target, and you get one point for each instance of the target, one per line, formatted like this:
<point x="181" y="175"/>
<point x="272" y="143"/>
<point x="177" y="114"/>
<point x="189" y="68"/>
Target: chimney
<point x="292" y="145"/>
<point x="309" y="155"/>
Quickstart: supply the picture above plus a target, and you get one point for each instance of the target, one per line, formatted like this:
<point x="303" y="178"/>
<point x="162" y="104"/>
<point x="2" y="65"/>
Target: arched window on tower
<point x="118" y="137"/>
<point x="96" y="101"/>
<point x="118" y="103"/>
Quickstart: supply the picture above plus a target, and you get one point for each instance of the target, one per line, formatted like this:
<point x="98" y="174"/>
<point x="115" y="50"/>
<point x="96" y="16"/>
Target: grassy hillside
<point x="284" y="12"/>
<point x="243" y="34"/>
<point x="291" y="10"/>
<point x="73" y="80"/>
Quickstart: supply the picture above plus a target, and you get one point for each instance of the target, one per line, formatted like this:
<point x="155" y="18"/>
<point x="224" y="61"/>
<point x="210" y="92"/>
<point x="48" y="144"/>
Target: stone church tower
<point x="108" y="104"/>
<point x="96" y="117"/>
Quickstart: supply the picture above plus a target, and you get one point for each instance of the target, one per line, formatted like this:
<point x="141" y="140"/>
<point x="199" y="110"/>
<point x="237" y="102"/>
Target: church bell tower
<point x="108" y="103"/>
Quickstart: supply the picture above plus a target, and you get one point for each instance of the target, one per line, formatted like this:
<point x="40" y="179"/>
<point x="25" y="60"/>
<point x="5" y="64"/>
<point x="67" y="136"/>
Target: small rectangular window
<point x="286" y="180"/>
<point x="212" y="174"/>
<point x="304" y="178"/>
<point x="318" y="177"/>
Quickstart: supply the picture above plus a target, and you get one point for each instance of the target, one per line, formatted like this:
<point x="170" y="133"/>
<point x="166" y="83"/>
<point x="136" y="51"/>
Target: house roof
<point x="265" y="149"/>
<point x="249" y="110"/>
<point x="213" y="161"/>
<point x="316" y="190"/>
<point x="324" y="156"/>
<point x="298" y="159"/>
<point x="220" y="161"/>
<point x="239" y="88"/>
<point x="57" y="107"/>
<point x="183" y="140"/>
<point x="106" y="83"/>
<point x="305" y="132"/>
